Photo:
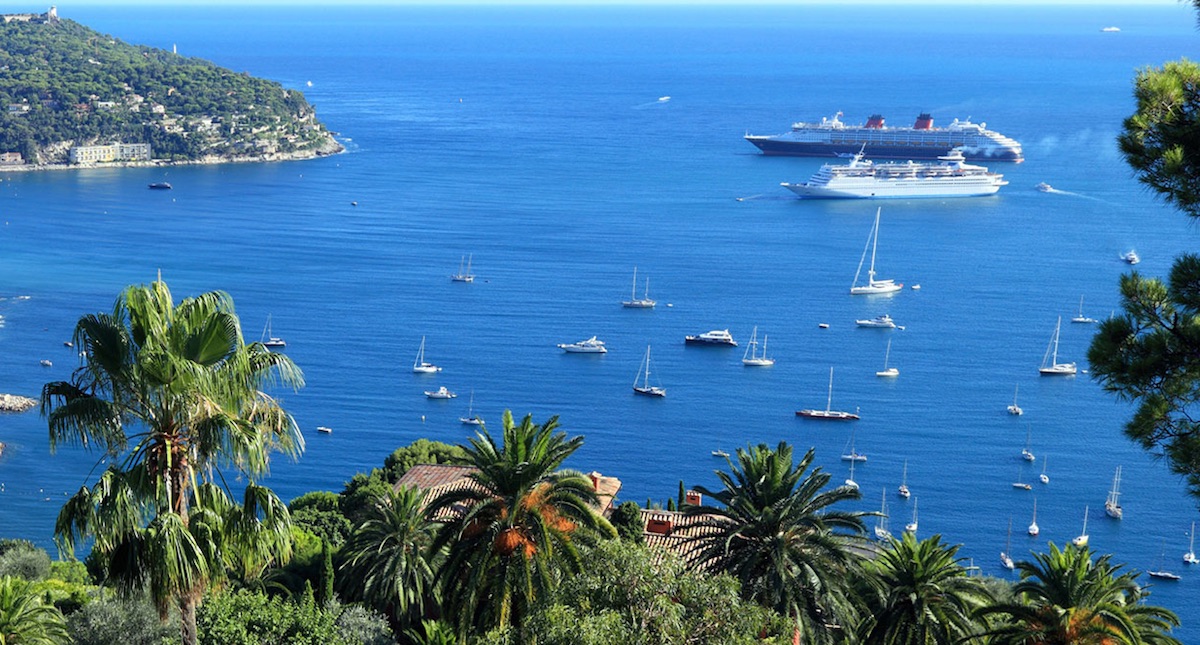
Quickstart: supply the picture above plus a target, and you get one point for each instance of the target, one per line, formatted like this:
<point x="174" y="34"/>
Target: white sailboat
<point x="1020" y="483"/>
<point x="1050" y="365"/>
<point x="1082" y="318"/>
<point x="873" y="286"/>
<point x="1161" y="572"/>
<point x="1044" y="478"/>
<point x="1026" y="453"/>
<point x="645" y="389"/>
<point x="751" y="358"/>
<point x="1081" y="540"/>
<point x="850" y="482"/>
<point x="1190" y="556"/>
<point x="828" y="412"/>
<point x="888" y="371"/>
<point x="1005" y="558"/>
<point x="471" y="419"/>
<point x="850" y="454"/>
<point x="464" y="275"/>
<point x="420" y="366"/>
<point x="903" y="490"/>
<point x="1015" y="409"/>
<point x="1033" y="526"/>
<point x="881" y="529"/>
<point x="911" y="527"/>
<point x="1112" y="505"/>
<point x="635" y="302"/>
<point x="268" y="339"/>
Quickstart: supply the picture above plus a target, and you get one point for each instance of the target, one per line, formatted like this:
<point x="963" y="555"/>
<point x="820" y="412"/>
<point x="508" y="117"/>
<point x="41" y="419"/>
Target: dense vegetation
<point x="62" y="82"/>
<point x="518" y="555"/>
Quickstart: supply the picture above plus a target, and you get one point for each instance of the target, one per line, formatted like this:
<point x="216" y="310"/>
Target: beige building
<point x="113" y="152"/>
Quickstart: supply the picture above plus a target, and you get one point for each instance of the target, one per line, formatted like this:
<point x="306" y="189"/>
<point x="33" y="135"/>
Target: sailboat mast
<point x="1057" y="328"/>
<point x="874" y="245"/>
<point x="829" y="399"/>
<point x="633" y="289"/>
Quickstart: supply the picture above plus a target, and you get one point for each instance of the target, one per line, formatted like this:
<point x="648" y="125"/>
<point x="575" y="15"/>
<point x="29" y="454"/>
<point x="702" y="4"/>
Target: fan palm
<point x="1067" y="598"/>
<point x="171" y="394"/>
<point x="25" y="619"/>
<point x="920" y="594"/>
<point x="388" y="562"/>
<point x="775" y="530"/>
<point x="513" y="527"/>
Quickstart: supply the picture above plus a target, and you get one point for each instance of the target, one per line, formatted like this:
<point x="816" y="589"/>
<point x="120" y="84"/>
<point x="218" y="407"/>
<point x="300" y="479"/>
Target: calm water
<point x="534" y="139"/>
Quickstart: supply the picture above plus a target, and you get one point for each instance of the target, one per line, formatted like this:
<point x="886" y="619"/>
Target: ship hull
<point x="892" y="190"/>
<point x="774" y="146"/>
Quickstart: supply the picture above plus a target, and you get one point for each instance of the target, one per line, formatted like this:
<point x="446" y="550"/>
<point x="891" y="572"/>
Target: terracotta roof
<point x="435" y="479"/>
<point x="670" y="531"/>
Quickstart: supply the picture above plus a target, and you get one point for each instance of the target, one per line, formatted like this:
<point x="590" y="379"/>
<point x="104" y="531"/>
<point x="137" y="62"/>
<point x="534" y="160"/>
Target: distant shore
<point x="330" y="147"/>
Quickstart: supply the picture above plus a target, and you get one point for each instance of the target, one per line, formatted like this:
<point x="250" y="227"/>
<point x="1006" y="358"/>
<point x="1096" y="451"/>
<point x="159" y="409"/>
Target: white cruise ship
<point x="951" y="176"/>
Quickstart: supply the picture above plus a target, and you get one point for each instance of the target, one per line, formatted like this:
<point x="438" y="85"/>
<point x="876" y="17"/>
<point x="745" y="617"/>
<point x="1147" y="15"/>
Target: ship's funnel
<point x="924" y="122"/>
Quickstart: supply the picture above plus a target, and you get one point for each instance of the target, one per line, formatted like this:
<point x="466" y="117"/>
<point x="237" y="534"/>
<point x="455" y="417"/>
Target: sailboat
<point x="645" y="389"/>
<point x="464" y="276"/>
<point x="1044" y="478"/>
<point x="635" y="302"/>
<point x="1112" y="505"/>
<point x="1161" y="572"/>
<point x="881" y="529"/>
<point x="1026" y="454"/>
<point x="903" y="490"/>
<point x="271" y="340"/>
<point x="471" y="419"/>
<point x="888" y="371"/>
<point x="850" y="482"/>
<point x="1081" y="540"/>
<point x="873" y="286"/>
<point x="1190" y="556"/>
<point x="422" y="367"/>
<point x="828" y="412"/>
<point x="1050" y="365"/>
<point x="1020" y="483"/>
<point x="1005" y="559"/>
<point x="1015" y="409"/>
<point x="1033" y="527"/>
<point x="850" y="454"/>
<point x="911" y="527"/>
<point x="1082" y="318"/>
<point x="751" y="358"/>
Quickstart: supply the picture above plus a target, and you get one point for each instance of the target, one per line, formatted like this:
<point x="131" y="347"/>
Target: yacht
<point x="440" y="393"/>
<point x="1131" y="257"/>
<point x="950" y="176"/>
<point x="644" y="388"/>
<point x="883" y="322"/>
<point x="464" y="275"/>
<point x="1015" y="409"/>
<point x="1081" y="540"/>
<point x="635" y="302"/>
<point x="589" y="346"/>
<point x="828" y="413"/>
<point x="714" y="337"/>
<point x="752" y="358"/>
<point x="1044" y="187"/>
<point x="1190" y="556"/>
<point x="1112" y="505"/>
<point x="1050" y="365"/>
<point x="420" y="366"/>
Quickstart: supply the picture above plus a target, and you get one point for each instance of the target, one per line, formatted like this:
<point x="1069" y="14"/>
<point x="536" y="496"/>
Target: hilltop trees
<point x="171" y="394"/>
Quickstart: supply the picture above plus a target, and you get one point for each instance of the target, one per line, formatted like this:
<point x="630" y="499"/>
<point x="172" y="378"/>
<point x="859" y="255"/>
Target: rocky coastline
<point x="327" y="148"/>
<point x="16" y="403"/>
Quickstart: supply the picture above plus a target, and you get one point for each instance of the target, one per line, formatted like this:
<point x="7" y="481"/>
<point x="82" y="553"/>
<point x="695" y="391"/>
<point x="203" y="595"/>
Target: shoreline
<point x="332" y="147"/>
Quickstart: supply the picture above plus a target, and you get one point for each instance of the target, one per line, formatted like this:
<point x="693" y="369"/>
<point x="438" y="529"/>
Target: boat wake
<point x="662" y="100"/>
<point x="763" y="197"/>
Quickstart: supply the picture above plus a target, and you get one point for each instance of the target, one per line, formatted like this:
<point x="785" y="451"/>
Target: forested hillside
<point x="63" y="84"/>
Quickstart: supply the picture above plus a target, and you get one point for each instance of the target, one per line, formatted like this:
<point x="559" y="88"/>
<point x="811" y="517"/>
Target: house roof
<point x="435" y="479"/>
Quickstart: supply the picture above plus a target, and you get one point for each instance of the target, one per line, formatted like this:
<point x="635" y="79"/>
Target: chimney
<point x="693" y="498"/>
<point x="661" y="525"/>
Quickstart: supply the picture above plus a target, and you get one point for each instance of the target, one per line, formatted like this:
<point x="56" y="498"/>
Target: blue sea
<point x="534" y="140"/>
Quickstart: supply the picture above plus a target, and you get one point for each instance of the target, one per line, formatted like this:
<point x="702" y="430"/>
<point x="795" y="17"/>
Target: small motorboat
<point x="324" y="429"/>
<point x="1131" y="257"/>
<point x="1044" y="187"/>
<point x="881" y="322"/>
<point x="160" y="185"/>
<point x="440" y="393"/>
<point x="45" y="363"/>
<point x="720" y="453"/>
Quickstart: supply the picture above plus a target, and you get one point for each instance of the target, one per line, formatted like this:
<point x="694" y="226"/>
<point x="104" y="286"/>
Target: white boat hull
<point x="1061" y="369"/>
<point x="895" y="189"/>
<point x="890" y="372"/>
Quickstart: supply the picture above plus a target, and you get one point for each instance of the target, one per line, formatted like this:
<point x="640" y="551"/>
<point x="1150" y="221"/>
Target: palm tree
<point x="513" y="527"/>
<point x="171" y="394"/>
<point x="776" y="532"/>
<point x="25" y="620"/>
<point x="388" y="562"/>
<point x="1066" y="598"/>
<point x="920" y="594"/>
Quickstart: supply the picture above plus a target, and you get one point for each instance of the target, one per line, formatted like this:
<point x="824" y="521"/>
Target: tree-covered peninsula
<point x="65" y="87"/>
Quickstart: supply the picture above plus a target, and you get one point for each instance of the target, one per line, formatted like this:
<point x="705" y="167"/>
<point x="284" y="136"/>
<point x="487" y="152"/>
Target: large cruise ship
<point x="950" y="176"/>
<point x="831" y="137"/>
